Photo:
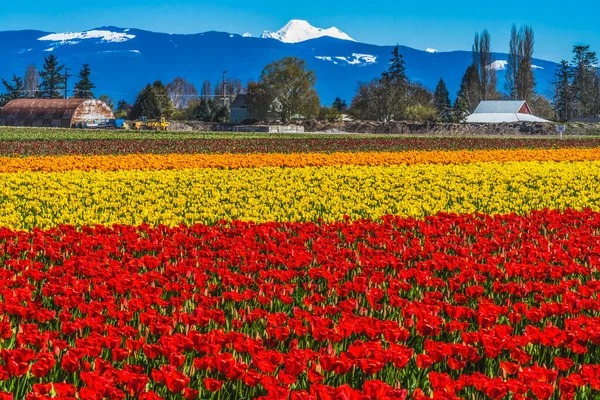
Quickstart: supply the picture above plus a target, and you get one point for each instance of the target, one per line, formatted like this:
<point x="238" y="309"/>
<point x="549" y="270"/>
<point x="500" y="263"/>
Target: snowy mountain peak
<point x="297" y="31"/>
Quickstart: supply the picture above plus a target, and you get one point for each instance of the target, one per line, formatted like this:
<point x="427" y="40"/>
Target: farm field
<point x="293" y="267"/>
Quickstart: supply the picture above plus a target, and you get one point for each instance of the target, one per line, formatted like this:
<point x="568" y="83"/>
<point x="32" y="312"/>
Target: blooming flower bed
<point x="294" y="160"/>
<point x="451" y="305"/>
<point x="190" y="196"/>
<point x="349" y="273"/>
<point x="88" y="144"/>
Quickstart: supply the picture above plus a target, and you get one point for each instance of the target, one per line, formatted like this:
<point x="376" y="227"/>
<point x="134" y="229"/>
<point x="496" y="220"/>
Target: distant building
<point x="490" y="112"/>
<point x="55" y="113"/>
<point x="238" y="110"/>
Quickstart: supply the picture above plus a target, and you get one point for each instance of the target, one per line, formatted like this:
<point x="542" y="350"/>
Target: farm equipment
<point x="151" y="125"/>
<point x="101" y="124"/>
<point x="158" y="125"/>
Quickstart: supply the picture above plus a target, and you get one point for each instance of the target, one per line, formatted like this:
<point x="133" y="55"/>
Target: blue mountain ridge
<point x="121" y="69"/>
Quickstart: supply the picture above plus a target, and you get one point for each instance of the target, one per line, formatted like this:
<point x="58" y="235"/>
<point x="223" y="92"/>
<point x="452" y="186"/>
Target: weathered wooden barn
<point x="55" y="113"/>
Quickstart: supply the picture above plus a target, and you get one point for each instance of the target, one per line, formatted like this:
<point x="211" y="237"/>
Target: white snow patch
<point x="247" y="34"/>
<point x="24" y="51"/>
<point x="431" y="50"/>
<point x="498" y="65"/>
<point x="120" y="51"/>
<point x="49" y="49"/>
<point x="297" y="31"/>
<point x="501" y="65"/>
<point x="126" y="30"/>
<point x="354" y="59"/>
<point x="105" y="36"/>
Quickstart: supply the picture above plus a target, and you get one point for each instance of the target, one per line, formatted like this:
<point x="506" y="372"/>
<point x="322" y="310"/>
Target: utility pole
<point x="66" y="82"/>
<point x="224" y="85"/>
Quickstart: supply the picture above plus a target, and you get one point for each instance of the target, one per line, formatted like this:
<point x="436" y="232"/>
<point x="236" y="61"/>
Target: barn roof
<point x="493" y="118"/>
<point x="42" y="105"/>
<point x="53" y="112"/>
<point x="499" y="107"/>
<point x="499" y="111"/>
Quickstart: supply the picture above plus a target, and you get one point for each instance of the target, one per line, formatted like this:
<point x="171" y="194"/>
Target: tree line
<point x="49" y="83"/>
<point x="180" y="99"/>
<point x="576" y="87"/>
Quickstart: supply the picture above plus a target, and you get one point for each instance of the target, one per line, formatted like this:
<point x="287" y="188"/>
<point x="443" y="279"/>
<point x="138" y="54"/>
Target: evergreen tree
<point x="15" y="89"/>
<point x="469" y="92"/>
<point x="460" y="111"/>
<point x="167" y="108"/>
<point x="340" y="104"/>
<point x="146" y="104"/>
<point x="122" y="105"/>
<point x="441" y="99"/>
<point x="208" y="110"/>
<point x="396" y="73"/>
<point x="83" y="88"/>
<point x="52" y="79"/>
<point x="584" y="69"/>
<point x="123" y="109"/>
<point x="562" y="96"/>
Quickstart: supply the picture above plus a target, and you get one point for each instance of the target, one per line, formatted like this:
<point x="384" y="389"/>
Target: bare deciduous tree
<point x="520" y="81"/>
<point x="206" y="90"/>
<point x="482" y="61"/>
<point x="181" y="92"/>
<point x="526" y="81"/>
<point x="512" y="66"/>
<point x="31" y="82"/>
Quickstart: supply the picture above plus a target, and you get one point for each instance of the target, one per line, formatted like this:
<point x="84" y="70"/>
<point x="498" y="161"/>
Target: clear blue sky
<point x="444" y="25"/>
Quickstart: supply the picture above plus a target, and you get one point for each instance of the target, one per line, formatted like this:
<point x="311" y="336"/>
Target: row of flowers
<point x="293" y="160"/>
<point x="31" y="200"/>
<point x="447" y="306"/>
<point x="178" y="144"/>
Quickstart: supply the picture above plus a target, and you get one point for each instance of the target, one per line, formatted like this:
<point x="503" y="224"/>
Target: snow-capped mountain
<point x="123" y="61"/>
<point x="297" y="31"/>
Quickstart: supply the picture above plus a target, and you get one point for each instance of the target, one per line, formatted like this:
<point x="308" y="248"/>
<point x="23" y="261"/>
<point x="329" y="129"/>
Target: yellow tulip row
<point x="189" y="196"/>
<point x="234" y="161"/>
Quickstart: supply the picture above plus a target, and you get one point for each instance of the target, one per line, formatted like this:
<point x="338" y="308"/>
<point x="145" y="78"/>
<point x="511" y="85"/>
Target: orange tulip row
<point x="236" y="161"/>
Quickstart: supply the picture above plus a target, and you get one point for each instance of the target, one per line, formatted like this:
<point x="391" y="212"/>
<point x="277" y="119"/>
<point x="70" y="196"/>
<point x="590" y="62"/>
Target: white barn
<point x="498" y="111"/>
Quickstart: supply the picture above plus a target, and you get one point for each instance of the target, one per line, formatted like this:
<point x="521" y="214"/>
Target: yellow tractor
<point x="151" y="125"/>
<point x="158" y="125"/>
